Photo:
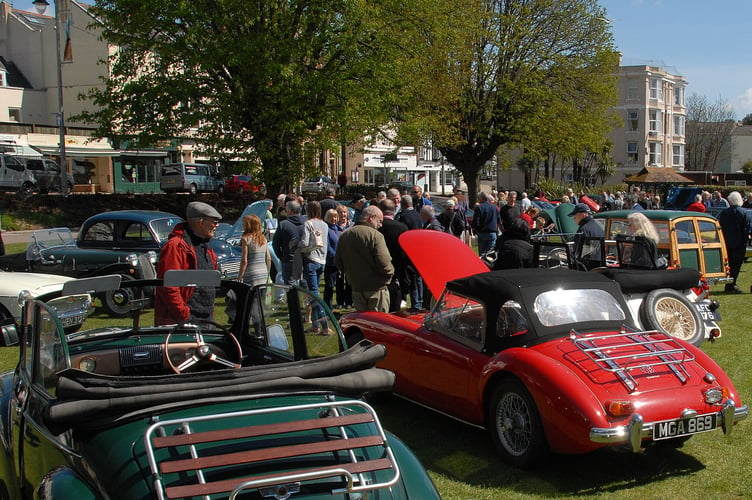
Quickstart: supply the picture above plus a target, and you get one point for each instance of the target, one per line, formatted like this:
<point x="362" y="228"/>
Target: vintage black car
<point x="144" y="231"/>
<point x="246" y="404"/>
<point x="54" y="251"/>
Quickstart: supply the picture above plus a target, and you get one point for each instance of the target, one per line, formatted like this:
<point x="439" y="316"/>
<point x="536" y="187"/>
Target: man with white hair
<point x="363" y="256"/>
<point x="735" y="227"/>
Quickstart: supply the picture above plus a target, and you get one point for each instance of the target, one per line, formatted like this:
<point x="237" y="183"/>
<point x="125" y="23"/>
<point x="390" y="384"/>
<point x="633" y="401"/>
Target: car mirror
<point x="8" y="333"/>
<point x="276" y="337"/>
<point x="93" y="285"/>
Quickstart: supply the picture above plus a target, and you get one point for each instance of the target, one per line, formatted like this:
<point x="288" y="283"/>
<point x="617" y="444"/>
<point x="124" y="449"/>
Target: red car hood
<point x="440" y="257"/>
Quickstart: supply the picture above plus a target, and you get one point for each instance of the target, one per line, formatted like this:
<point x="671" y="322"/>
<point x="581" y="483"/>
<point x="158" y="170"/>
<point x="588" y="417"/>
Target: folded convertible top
<point x="86" y="400"/>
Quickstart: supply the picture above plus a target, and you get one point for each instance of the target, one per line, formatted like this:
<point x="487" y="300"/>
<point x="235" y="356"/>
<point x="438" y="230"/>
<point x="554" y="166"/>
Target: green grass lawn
<point x="464" y="465"/>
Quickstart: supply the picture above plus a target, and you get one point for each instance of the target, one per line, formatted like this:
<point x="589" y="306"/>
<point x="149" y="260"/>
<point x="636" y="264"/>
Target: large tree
<point x="516" y="72"/>
<point x="708" y="131"/>
<point x="270" y="81"/>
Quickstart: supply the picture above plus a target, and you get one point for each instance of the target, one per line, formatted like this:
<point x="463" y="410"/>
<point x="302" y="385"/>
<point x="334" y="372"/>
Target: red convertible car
<point x="547" y="360"/>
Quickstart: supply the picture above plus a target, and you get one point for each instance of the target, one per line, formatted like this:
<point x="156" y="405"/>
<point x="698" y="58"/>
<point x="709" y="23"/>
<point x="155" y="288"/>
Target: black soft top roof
<point x="88" y="401"/>
<point x="523" y="285"/>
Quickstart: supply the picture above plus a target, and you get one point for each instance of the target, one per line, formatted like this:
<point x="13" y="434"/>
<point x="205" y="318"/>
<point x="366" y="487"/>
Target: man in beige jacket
<point x="363" y="256"/>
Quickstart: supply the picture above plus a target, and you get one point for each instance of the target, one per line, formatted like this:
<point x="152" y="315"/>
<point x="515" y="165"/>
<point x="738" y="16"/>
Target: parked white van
<point x="190" y="177"/>
<point x="14" y="176"/>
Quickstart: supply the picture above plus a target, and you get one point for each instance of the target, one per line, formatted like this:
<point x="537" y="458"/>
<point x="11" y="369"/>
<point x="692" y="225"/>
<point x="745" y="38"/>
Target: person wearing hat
<point x="188" y="248"/>
<point x="588" y="242"/>
<point x="358" y="203"/>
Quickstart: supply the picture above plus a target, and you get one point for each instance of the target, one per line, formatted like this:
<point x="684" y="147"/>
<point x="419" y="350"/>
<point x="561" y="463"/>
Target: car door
<point x="44" y="354"/>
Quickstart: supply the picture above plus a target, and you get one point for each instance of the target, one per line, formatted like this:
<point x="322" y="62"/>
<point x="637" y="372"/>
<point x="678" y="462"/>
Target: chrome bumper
<point x="637" y="429"/>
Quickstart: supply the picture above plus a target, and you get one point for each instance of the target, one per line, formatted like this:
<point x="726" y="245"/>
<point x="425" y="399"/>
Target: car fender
<point x="62" y="482"/>
<point x="567" y="406"/>
<point x="415" y="481"/>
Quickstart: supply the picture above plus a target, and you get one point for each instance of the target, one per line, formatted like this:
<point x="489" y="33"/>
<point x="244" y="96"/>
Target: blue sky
<point x="705" y="41"/>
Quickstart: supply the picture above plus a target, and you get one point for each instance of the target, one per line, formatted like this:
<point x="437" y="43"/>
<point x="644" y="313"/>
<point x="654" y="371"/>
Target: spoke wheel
<point x="515" y="425"/>
<point x="670" y="312"/>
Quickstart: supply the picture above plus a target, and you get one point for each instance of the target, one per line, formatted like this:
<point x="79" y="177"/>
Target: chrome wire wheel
<point x="513" y="424"/>
<point x="675" y="318"/>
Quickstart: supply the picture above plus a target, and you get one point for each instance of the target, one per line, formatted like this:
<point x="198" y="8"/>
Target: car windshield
<point x="563" y="307"/>
<point x="48" y="238"/>
<point x="163" y="227"/>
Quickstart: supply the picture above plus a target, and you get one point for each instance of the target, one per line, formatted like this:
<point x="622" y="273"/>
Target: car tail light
<point x="619" y="407"/>
<point x="716" y="395"/>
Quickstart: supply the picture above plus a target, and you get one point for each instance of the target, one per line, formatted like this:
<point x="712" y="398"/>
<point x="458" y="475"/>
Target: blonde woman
<point x="646" y="254"/>
<point x="255" y="260"/>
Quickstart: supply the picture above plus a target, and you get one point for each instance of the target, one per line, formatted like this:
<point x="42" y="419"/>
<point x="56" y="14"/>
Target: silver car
<point x="318" y="185"/>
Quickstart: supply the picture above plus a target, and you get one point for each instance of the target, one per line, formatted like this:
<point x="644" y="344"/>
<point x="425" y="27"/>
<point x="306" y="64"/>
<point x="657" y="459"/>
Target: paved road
<point x="17" y="236"/>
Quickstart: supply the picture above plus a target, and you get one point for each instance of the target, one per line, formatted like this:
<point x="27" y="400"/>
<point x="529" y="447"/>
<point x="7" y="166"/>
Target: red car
<point x="241" y="184"/>
<point x="547" y="360"/>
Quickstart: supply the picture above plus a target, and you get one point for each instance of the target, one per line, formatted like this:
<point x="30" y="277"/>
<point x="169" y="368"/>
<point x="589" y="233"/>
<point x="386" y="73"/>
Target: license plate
<point x="684" y="426"/>
<point x="705" y="313"/>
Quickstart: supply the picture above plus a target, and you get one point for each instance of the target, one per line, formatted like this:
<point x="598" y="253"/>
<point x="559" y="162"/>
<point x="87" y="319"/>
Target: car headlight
<point x="132" y="259"/>
<point x="152" y="256"/>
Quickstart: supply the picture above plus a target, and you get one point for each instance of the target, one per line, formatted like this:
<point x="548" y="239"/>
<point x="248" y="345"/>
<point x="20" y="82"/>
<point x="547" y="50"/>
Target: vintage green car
<point x="250" y="404"/>
<point x="686" y="239"/>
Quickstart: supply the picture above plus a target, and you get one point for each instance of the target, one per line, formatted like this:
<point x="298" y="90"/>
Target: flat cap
<point x="199" y="209"/>
<point x="580" y="208"/>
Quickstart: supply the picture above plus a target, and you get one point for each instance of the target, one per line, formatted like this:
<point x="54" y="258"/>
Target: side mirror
<point x="8" y="333"/>
<point x="276" y="337"/>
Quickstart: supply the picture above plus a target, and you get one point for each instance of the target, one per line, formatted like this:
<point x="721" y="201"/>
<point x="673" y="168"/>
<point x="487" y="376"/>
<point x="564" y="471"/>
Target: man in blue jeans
<point x="485" y="223"/>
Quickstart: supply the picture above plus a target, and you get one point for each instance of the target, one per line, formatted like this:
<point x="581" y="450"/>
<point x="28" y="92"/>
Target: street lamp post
<point x="41" y="6"/>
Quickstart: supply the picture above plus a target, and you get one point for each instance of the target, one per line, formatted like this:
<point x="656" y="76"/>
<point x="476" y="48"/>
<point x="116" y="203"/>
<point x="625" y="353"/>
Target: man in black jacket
<point x="735" y="227"/>
<point x="392" y="229"/>
<point x="286" y="239"/>
<point x="588" y="241"/>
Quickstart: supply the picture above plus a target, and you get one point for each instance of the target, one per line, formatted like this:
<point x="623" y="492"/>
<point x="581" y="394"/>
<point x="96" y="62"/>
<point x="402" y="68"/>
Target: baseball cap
<point x="199" y="209"/>
<point x="358" y="197"/>
<point x="580" y="208"/>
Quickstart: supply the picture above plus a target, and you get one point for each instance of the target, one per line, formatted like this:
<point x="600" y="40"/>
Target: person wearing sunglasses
<point x="188" y="248"/>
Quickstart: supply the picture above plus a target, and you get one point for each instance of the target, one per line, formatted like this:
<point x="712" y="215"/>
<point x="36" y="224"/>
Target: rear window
<point x="172" y="170"/>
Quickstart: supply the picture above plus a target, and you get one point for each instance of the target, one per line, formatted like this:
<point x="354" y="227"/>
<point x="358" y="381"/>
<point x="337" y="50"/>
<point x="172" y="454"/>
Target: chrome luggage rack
<point x="335" y="447"/>
<point x="629" y="350"/>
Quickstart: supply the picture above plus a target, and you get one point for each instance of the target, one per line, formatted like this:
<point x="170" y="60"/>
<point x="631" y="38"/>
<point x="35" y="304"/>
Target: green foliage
<point x="539" y="74"/>
<point x="747" y="167"/>
<point x="267" y="81"/>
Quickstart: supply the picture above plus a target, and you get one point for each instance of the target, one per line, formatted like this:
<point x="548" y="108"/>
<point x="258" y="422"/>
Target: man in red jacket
<point x="188" y="248"/>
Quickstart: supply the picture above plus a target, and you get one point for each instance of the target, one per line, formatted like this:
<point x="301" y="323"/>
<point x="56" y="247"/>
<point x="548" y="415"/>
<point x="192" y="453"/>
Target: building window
<point x="633" y="120"/>
<point x="655" y="121"/>
<point x="14" y="114"/>
<point x="633" y="93"/>
<point x="678" y="155"/>
<point x="656" y="89"/>
<point x="679" y="96"/>
<point x="678" y="125"/>
<point x="655" y="153"/>
<point x="632" y="153"/>
<point x="3" y="79"/>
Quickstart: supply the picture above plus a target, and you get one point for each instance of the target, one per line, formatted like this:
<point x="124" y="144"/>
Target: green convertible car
<point x="249" y="404"/>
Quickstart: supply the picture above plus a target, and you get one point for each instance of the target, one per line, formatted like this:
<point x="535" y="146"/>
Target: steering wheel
<point x="204" y="353"/>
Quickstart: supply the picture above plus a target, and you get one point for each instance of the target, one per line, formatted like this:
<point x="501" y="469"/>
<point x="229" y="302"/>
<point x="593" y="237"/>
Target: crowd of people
<point x="363" y="266"/>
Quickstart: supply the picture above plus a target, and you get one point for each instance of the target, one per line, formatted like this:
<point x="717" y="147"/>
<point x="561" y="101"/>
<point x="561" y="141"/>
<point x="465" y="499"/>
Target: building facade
<point x="653" y="109"/>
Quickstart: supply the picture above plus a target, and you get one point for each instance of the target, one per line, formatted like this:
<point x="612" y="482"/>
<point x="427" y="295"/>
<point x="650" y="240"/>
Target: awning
<point x="151" y="153"/>
<point x="16" y="145"/>
<point x="74" y="145"/>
